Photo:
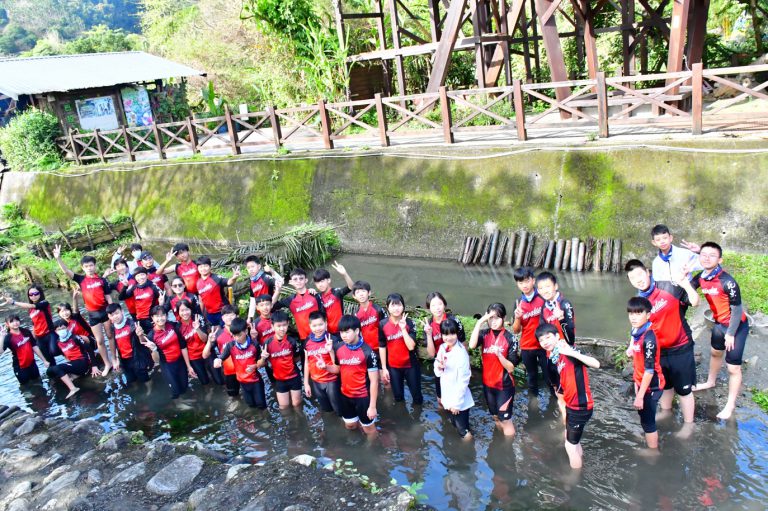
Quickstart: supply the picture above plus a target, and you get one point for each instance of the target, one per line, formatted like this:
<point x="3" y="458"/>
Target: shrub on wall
<point x="29" y="141"/>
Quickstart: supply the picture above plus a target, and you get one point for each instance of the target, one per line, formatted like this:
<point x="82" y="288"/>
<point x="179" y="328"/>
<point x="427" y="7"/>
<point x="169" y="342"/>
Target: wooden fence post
<point x="231" y="130"/>
<point x="382" y="121"/>
<point x="275" y="122"/>
<point x="192" y="135"/>
<point x="158" y="141"/>
<point x="98" y="145"/>
<point x="325" y="124"/>
<point x="445" y="113"/>
<point x="128" y="147"/>
<point x="602" y="105"/>
<point x="697" y="106"/>
<point x="75" y="150"/>
<point x="519" y="111"/>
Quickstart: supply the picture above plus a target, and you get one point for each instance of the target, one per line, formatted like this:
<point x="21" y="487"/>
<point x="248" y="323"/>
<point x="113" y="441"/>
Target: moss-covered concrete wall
<point x="425" y="206"/>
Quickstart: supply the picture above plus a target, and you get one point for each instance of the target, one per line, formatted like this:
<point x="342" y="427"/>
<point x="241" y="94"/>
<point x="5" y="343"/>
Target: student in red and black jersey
<point x="437" y="305"/>
<point x="23" y="348"/>
<point x="195" y="333"/>
<point x="178" y="294"/>
<point x="96" y="297"/>
<point x="500" y="356"/>
<point x="75" y="321"/>
<point x="185" y="268"/>
<point x="574" y="383"/>
<point x="668" y="301"/>
<point x="262" y="279"/>
<point x="399" y="334"/>
<point x="42" y="320"/>
<point x="646" y="362"/>
<point x="261" y="326"/>
<point x="124" y="279"/>
<point x="246" y="357"/>
<point x="212" y="290"/>
<point x="166" y="340"/>
<point x="319" y="383"/>
<point x="79" y="356"/>
<point x="371" y="316"/>
<point x="217" y="340"/>
<point x="333" y="297"/>
<point x="557" y="310"/>
<point x="729" y="335"/>
<point x="133" y="358"/>
<point x="282" y="352"/>
<point x="358" y="368"/>
<point x="154" y="275"/>
<point x="527" y="313"/>
<point x="302" y="303"/>
<point x="145" y="295"/>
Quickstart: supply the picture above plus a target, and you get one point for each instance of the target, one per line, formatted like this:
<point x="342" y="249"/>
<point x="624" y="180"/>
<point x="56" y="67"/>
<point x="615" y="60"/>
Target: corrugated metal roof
<point x="60" y="73"/>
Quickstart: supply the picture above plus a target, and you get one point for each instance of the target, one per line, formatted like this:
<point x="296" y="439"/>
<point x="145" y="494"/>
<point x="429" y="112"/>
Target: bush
<point x="29" y="141"/>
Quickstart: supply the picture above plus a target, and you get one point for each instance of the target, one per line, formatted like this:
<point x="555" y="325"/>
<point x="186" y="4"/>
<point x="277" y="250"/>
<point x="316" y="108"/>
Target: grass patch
<point x="751" y="272"/>
<point x="761" y="398"/>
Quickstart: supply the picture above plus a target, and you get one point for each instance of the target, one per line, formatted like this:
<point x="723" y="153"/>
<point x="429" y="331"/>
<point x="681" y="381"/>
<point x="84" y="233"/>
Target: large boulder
<point x="176" y="476"/>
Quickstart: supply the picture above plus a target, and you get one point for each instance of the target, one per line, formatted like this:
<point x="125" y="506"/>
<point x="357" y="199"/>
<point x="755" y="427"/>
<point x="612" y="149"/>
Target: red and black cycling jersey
<point x="130" y="301"/>
<point x="566" y="327"/>
<point x="42" y="321"/>
<point x="21" y="346"/>
<point x="574" y="383"/>
<point x="263" y="284"/>
<point x="646" y="357"/>
<point x="173" y="303"/>
<point x="169" y="342"/>
<point x="212" y="293"/>
<point x="498" y="341"/>
<point x="263" y="328"/>
<point x="315" y="350"/>
<point x="145" y="297"/>
<point x="437" y="336"/>
<point x="125" y="339"/>
<point x="242" y="359"/>
<point x="333" y="301"/>
<point x="282" y="356"/>
<point x="370" y="317"/>
<point x="222" y="338"/>
<point x="79" y="326"/>
<point x="667" y="322"/>
<point x="721" y="291"/>
<point x="398" y="354"/>
<point x="195" y="345"/>
<point x="530" y="321"/>
<point x="74" y="348"/>
<point x="95" y="290"/>
<point x="157" y="279"/>
<point x="189" y="274"/>
<point x="301" y="306"/>
<point x="354" y="365"/>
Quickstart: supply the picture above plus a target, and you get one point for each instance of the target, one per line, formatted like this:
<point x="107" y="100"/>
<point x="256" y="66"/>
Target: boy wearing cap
<point x="155" y="276"/>
<point x="211" y="288"/>
<point x="144" y="293"/>
<point x="186" y="268"/>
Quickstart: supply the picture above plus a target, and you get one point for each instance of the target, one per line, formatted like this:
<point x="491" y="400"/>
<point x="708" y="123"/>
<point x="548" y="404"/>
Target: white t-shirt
<point x="454" y="379"/>
<point x="678" y="257"/>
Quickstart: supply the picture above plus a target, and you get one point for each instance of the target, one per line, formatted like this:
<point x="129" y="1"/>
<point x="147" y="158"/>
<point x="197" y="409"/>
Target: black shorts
<point x="495" y="398"/>
<point x="648" y="413"/>
<point x="26" y="374"/>
<point x="575" y="421"/>
<point x="679" y="369"/>
<point x="354" y="409"/>
<point x="461" y="422"/>
<point x="734" y="356"/>
<point x="294" y="383"/>
<point x="95" y="318"/>
<point x="327" y="394"/>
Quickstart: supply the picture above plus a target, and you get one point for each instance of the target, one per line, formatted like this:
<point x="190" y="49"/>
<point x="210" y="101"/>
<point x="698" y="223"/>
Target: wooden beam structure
<point x="453" y="21"/>
<point x="545" y="10"/>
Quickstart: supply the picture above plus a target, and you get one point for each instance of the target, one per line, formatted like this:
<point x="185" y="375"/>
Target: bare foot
<point x="72" y="392"/>
<point x="726" y="413"/>
<point x="686" y="431"/>
<point x="106" y="370"/>
<point x="703" y="386"/>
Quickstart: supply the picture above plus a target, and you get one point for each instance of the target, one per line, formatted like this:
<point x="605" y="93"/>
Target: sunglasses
<point x="177" y="285"/>
<point x="34" y="293"/>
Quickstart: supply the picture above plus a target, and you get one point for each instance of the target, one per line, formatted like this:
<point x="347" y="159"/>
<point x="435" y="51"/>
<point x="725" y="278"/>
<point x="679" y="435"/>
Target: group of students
<point x="188" y="327"/>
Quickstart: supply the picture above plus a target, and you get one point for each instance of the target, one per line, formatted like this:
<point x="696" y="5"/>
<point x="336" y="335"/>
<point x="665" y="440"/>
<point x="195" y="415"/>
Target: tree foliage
<point x="29" y="141"/>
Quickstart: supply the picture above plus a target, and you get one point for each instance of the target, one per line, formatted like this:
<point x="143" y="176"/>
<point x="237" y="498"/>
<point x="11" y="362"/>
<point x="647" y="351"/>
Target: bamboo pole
<point x="580" y="259"/>
<point x="559" y="254"/>
<point x="574" y="253"/>
<point x="529" y="249"/>
<point x="109" y="228"/>
<point x="463" y="253"/>
<point x="511" y="253"/>
<point x="616" y="256"/>
<point x="521" y="249"/>
<point x="608" y="254"/>
<point x="494" y="245"/>
<point x="539" y="261"/>
<point x="88" y="233"/>
<point x="486" y="250"/>
<point x="598" y="255"/>
<point x="502" y="251"/>
<point x="589" y="257"/>
<point x="550" y="254"/>
<point x="480" y="249"/>
<point x="66" y="240"/>
<point x="566" y="255"/>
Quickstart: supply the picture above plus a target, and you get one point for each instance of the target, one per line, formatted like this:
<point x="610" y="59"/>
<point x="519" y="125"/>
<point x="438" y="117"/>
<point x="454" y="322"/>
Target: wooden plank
<point x="128" y="149"/>
<point x="275" y="122"/>
<point x="678" y="29"/>
<point x="382" y="117"/>
<point x="590" y="41"/>
<point x="697" y="107"/>
<point x="519" y="111"/>
<point x="158" y="142"/>
<point x="697" y="31"/>
<point x="325" y="124"/>
<point x="75" y="151"/>
<point x="445" y="113"/>
<point x="98" y="144"/>
<point x="192" y="132"/>
<point x="554" y="50"/>
<point x="445" y="46"/>
<point x="395" y="21"/>
<point x="602" y="105"/>
<point x="231" y="131"/>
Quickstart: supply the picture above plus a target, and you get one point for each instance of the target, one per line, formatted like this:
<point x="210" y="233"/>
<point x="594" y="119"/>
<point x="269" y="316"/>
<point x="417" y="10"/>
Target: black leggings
<point x="253" y="394"/>
<point x="175" y="373"/>
<point x="461" y="422"/>
<point x="46" y="343"/>
<point x="27" y="374"/>
<point x="133" y="370"/>
<point x="410" y="376"/>
<point x="78" y="367"/>
<point x="328" y="395"/>
<point x="232" y="385"/>
<point x="205" y="371"/>
<point x="533" y="360"/>
<point x="648" y="413"/>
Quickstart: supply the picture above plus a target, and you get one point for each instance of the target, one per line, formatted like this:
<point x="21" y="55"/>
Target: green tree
<point x="29" y="141"/>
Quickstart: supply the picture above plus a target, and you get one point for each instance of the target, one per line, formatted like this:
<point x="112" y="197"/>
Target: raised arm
<point x="588" y="361"/>
<point x="343" y="272"/>
<point x="164" y="267"/>
<point x="474" y="338"/>
<point x="60" y="262"/>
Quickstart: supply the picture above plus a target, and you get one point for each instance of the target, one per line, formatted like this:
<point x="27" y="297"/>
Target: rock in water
<point x="28" y="426"/>
<point x="59" y="484"/>
<point x="306" y="460"/>
<point x="176" y="476"/>
<point x="139" y="469"/>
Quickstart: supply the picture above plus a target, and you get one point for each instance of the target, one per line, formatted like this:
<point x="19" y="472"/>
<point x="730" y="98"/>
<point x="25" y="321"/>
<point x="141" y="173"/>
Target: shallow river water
<point x="723" y="465"/>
